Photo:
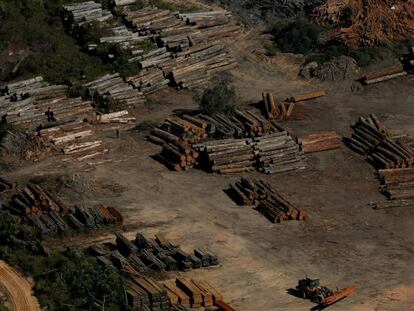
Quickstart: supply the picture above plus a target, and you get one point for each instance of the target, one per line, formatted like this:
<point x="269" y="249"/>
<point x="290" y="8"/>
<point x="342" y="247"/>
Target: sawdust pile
<point x="367" y="22"/>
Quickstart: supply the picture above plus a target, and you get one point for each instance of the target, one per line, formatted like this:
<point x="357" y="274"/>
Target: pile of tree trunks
<point x="87" y="12"/>
<point x="159" y="254"/>
<point x="385" y="74"/>
<point x="194" y="67"/>
<point x="175" y="136"/>
<point x="274" y="109"/>
<point x="278" y="153"/>
<point x="115" y="117"/>
<point x="227" y="156"/>
<point x="307" y="96"/>
<point x="46" y="211"/>
<point x="266" y="200"/>
<point x="112" y="87"/>
<point x="145" y="293"/>
<point x="149" y="81"/>
<point x="371" y="138"/>
<point x="397" y="184"/>
<point x="154" y="58"/>
<point x="5" y="185"/>
<point x="19" y="90"/>
<point x="320" y="142"/>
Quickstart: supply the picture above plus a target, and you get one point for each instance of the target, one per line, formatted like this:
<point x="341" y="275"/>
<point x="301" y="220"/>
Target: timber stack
<point x="386" y="74"/>
<point x="5" y="185"/>
<point x="227" y="156"/>
<point x="274" y="109"/>
<point x="115" y="117"/>
<point x="175" y="136"/>
<point x="46" y="211"/>
<point x="371" y="139"/>
<point x="265" y="199"/>
<point x="397" y="184"/>
<point x="159" y="254"/>
<point x="278" y="153"/>
<point x="112" y="88"/>
<point x="307" y="96"/>
<point x="83" y="13"/>
<point x="319" y="141"/>
<point x="145" y="293"/>
<point x="149" y="81"/>
<point x="32" y="103"/>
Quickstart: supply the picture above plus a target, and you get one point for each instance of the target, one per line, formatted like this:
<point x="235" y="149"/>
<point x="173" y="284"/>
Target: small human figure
<point x="117" y="133"/>
<point x="50" y="115"/>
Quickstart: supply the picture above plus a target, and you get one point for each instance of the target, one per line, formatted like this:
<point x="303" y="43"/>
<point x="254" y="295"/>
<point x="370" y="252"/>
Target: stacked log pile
<point x="20" y="89"/>
<point x="319" y="142"/>
<point x="46" y="211"/>
<point x="87" y="12"/>
<point x="386" y="74"/>
<point x="159" y="254"/>
<point x="175" y="135"/>
<point x="278" y="153"/>
<point x="371" y="138"/>
<point x="194" y="66"/>
<point x="307" y="96"/>
<point x="112" y="87"/>
<point x="5" y="185"/>
<point x="145" y="293"/>
<point x="227" y="156"/>
<point x="265" y="199"/>
<point x="115" y="117"/>
<point x="397" y="184"/>
<point x="149" y="81"/>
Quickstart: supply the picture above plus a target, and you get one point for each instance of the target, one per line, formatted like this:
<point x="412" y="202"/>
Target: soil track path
<point x="17" y="290"/>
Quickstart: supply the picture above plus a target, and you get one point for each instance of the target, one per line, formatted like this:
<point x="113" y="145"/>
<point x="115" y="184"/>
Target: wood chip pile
<point x="46" y="211"/>
<point x="278" y="153"/>
<point x="319" y="141"/>
<point x="112" y="87"/>
<point x="160" y="254"/>
<point x="30" y="102"/>
<point x="371" y="139"/>
<point x="87" y="12"/>
<point x="265" y="199"/>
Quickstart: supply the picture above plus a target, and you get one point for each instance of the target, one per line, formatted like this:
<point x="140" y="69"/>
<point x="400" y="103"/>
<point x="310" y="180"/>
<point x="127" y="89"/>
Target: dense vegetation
<point x="62" y="282"/>
<point x="220" y="98"/>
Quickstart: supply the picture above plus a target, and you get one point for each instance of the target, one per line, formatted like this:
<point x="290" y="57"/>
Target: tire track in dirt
<point x="17" y="290"/>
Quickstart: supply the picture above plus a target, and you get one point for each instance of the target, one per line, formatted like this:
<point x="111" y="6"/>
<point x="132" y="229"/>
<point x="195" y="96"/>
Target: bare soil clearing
<point x="345" y="242"/>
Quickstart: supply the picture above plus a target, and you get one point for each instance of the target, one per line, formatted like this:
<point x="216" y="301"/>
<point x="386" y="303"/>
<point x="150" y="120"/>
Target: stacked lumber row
<point x="278" y="153"/>
<point x="389" y="73"/>
<point x="149" y="80"/>
<point x="112" y="87"/>
<point x="75" y="139"/>
<point x="240" y="124"/>
<point x="115" y="117"/>
<point x="370" y="138"/>
<point x="190" y="293"/>
<point x="5" y="185"/>
<point x="266" y="200"/>
<point x="144" y="293"/>
<point x="227" y="156"/>
<point x="194" y="66"/>
<point x="319" y="142"/>
<point x="87" y="12"/>
<point x="21" y="88"/>
<point x="397" y="184"/>
<point x="175" y="136"/>
<point x="274" y="109"/>
<point x="160" y="254"/>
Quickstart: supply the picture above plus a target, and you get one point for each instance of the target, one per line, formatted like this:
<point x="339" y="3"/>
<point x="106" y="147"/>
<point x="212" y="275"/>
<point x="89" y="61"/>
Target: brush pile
<point x="265" y="199"/>
<point x="371" y="138"/>
<point x="46" y="211"/>
<point x="366" y="23"/>
<point x="159" y="254"/>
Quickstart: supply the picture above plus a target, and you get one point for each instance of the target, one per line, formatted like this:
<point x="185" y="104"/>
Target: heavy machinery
<point x="323" y="296"/>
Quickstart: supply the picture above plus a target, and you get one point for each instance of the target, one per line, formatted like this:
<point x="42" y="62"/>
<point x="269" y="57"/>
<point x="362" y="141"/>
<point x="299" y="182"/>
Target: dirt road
<point x="17" y="290"/>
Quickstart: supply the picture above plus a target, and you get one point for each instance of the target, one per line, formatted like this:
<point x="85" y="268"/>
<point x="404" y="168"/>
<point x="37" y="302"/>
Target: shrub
<point x="220" y="98"/>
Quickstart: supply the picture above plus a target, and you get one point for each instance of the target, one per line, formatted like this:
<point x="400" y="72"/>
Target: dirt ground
<point x="345" y="242"/>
